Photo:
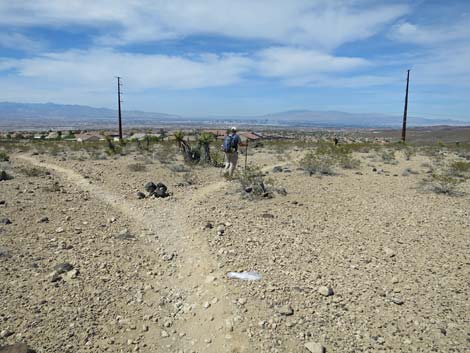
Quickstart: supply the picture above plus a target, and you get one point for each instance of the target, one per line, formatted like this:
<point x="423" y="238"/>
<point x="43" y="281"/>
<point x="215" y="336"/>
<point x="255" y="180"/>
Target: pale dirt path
<point x="199" y="329"/>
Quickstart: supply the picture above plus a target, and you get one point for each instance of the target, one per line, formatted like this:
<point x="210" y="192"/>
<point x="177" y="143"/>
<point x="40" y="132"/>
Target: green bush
<point x="327" y="157"/>
<point x="459" y="169"/>
<point x="442" y="184"/>
<point x="4" y="157"/>
<point x="314" y="163"/>
<point x="388" y="157"/>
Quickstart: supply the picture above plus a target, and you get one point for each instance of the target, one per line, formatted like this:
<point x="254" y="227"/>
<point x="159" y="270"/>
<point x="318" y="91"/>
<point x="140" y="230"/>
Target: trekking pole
<point x="246" y="153"/>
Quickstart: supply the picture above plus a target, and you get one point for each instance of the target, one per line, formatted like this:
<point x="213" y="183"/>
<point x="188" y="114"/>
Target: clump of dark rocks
<point x="5" y="176"/>
<point x="155" y="190"/>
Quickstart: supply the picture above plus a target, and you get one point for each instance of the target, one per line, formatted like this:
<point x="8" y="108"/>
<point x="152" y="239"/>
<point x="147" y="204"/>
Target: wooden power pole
<point x="119" y="107"/>
<point x="405" y="112"/>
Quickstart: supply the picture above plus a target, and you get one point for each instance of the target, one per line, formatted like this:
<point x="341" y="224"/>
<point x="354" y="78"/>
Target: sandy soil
<point x="397" y="260"/>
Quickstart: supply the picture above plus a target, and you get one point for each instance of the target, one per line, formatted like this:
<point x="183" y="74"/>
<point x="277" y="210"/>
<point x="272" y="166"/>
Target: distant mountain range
<point x="24" y="116"/>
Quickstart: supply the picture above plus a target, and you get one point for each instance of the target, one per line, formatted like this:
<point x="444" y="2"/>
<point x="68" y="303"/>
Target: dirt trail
<point x="204" y="323"/>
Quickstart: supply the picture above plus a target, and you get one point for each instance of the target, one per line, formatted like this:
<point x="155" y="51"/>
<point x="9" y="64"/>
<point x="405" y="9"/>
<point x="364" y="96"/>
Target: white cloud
<point x="313" y="23"/>
<point x="97" y="68"/>
<point x="19" y="41"/>
<point x="299" y="65"/>
<point x="431" y="35"/>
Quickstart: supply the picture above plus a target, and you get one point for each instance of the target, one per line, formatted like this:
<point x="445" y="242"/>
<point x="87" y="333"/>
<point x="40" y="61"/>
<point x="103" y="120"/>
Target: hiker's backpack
<point x="228" y="146"/>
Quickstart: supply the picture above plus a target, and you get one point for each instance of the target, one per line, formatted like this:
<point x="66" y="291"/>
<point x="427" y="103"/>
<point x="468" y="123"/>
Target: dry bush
<point x="327" y="157"/>
<point x="441" y="184"/>
<point x="459" y="169"/>
<point x="388" y="157"/>
<point x="254" y="183"/>
<point x="137" y="167"/>
<point x="165" y="152"/>
<point x="33" y="171"/>
<point x="318" y="164"/>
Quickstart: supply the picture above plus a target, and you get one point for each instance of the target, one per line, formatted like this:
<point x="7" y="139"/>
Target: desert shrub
<point x="441" y="183"/>
<point x="33" y="171"/>
<point x="4" y="157"/>
<point x="408" y="152"/>
<point x="328" y="156"/>
<point x="137" y="167"/>
<point x="254" y="183"/>
<point x="364" y="147"/>
<point x="388" y="157"/>
<point x="54" y="187"/>
<point x="189" y="178"/>
<point x="113" y="148"/>
<point x="459" y="169"/>
<point x="318" y="164"/>
<point x="217" y="157"/>
<point x="165" y="152"/>
<point x="179" y="168"/>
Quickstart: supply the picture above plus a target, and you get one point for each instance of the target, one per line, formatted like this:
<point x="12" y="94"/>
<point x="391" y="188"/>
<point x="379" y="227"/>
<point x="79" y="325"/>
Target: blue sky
<point x="239" y="57"/>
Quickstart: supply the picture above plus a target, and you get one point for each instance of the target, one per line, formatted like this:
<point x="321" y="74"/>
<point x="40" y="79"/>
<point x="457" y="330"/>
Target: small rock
<point x="4" y="253"/>
<point x="397" y="301"/>
<point x="5" y="333"/>
<point x="140" y="195"/>
<point x="5" y="221"/>
<point x="125" y="235"/>
<point x="325" y="291"/>
<point x="43" y="220"/>
<point x="221" y="229"/>
<point x="164" y="334"/>
<point x="150" y="187"/>
<point x="277" y="169"/>
<point x="389" y="252"/>
<point x="315" y="347"/>
<point x="285" y="310"/>
<point x="145" y="328"/>
<point x="206" y="305"/>
<point x="59" y="230"/>
<point x="72" y="274"/>
<point x="168" y="257"/>
<point x="63" y="267"/>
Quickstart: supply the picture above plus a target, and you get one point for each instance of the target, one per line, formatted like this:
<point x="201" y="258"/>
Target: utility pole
<point x="119" y="106"/>
<point x="405" y="112"/>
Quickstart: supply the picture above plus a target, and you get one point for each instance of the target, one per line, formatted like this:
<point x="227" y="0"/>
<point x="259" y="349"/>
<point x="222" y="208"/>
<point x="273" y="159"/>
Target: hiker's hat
<point x="234" y="128"/>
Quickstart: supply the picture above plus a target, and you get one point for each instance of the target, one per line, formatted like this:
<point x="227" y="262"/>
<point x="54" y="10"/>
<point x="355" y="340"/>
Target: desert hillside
<point x="360" y="247"/>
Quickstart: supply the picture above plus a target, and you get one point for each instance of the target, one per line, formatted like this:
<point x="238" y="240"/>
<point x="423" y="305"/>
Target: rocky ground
<point x="363" y="261"/>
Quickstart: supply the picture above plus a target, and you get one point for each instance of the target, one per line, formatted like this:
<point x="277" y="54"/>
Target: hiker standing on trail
<point x="230" y="148"/>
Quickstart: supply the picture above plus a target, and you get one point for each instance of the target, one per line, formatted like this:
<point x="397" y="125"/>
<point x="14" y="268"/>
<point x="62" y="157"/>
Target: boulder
<point x="150" y="187"/>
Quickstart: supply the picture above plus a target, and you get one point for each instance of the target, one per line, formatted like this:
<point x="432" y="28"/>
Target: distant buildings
<point x="88" y="137"/>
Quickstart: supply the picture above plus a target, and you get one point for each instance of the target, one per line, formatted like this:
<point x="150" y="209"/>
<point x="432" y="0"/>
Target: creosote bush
<point x="441" y="183"/>
<point x="460" y="169"/>
<point x="327" y="157"/>
<point x="388" y="157"/>
<point x="4" y="157"/>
